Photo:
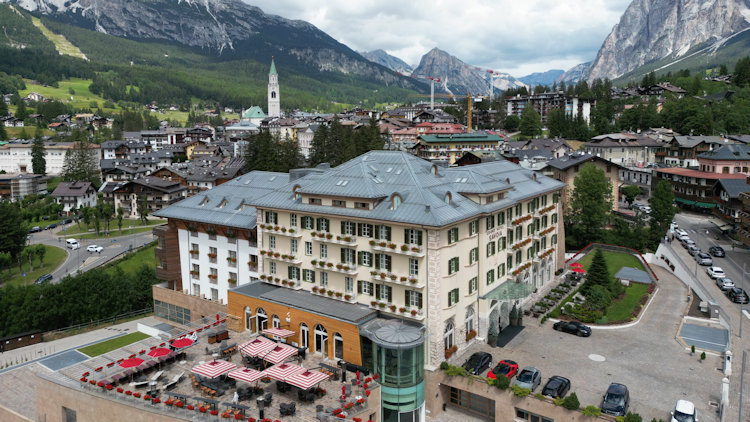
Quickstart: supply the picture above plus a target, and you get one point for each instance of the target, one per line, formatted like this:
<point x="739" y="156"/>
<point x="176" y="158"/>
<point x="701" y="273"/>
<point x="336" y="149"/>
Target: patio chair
<point x="267" y="399"/>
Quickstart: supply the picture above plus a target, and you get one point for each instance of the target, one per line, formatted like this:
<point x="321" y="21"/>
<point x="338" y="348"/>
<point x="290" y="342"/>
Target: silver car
<point x="725" y="284"/>
<point x="693" y="250"/>
<point x="703" y="258"/>
<point x="529" y="377"/>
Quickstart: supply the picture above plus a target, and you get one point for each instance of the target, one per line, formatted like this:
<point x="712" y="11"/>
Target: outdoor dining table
<point x="241" y="407"/>
<point x="213" y="403"/>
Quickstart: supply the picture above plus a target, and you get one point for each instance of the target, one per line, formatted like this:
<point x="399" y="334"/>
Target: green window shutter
<point x="419" y="300"/>
<point x="406" y="297"/>
<point x="406" y="236"/>
<point x="342" y="228"/>
<point x="359" y="257"/>
<point x="369" y="287"/>
<point x="388" y="263"/>
<point x="419" y="238"/>
<point x="359" y="229"/>
<point x="359" y="286"/>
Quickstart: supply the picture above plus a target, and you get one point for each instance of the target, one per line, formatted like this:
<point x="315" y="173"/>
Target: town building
<point x="122" y="149"/>
<point x="15" y="157"/>
<point x="728" y="201"/>
<point x="692" y="188"/>
<point x="75" y="195"/>
<point x="626" y="149"/>
<point x="566" y="169"/>
<point x="743" y="228"/>
<point x="452" y="147"/>
<point x="202" y="174"/>
<point x="637" y="176"/>
<point x="683" y="151"/>
<point x="17" y="186"/>
<point x="146" y="194"/>
<point x="727" y="159"/>
<point x="545" y="102"/>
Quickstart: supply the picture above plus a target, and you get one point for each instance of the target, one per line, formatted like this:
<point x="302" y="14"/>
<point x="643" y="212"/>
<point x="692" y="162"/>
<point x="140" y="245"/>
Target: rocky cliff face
<point x="575" y="73"/>
<point x="227" y="28"/>
<point x="651" y="30"/>
<point x="456" y="77"/>
<point x="542" y="78"/>
<point x="384" y="59"/>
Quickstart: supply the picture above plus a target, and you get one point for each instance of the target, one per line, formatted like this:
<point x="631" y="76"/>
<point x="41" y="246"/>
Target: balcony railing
<point x="390" y="247"/>
<point x="344" y="268"/>
<point x="346" y="240"/>
<point x="389" y="277"/>
<point x="410" y="312"/>
<point x="278" y="256"/>
<point x="280" y="230"/>
<point x="283" y="282"/>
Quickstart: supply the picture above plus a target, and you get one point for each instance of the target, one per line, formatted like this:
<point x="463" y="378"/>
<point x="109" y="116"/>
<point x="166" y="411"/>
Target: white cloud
<point x="518" y="37"/>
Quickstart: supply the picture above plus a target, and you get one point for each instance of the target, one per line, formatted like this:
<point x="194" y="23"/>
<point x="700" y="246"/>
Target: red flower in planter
<point x="119" y="389"/>
<point x="239" y="417"/>
<point x="92" y="382"/>
<point x="337" y="411"/>
<point x="226" y="415"/>
<point x="214" y="412"/>
<point x="368" y="379"/>
<point x="366" y="386"/>
<point x="179" y="404"/>
<point x="137" y="395"/>
<point x="100" y="384"/>
<point x="83" y="379"/>
<point x="375" y="376"/>
<point x="202" y="409"/>
<point x="109" y="387"/>
<point x="341" y="416"/>
<point x="85" y="374"/>
<point x="367" y="393"/>
<point x="128" y="393"/>
<point x="190" y="407"/>
<point x="156" y="400"/>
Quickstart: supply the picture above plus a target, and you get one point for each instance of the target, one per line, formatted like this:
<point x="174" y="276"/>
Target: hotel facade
<point x="387" y="261"/>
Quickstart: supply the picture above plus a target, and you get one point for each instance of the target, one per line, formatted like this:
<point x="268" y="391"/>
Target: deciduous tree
<point x="590" y="205"/>
<point x="662" y="211"/>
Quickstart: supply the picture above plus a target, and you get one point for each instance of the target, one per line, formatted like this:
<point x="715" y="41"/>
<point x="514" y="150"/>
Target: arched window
<point x="338" y="346"/>
<point x="395" y="201"/>
<point x="276" y="321"/>
<point x="448" y="336"/>
<point x="273" y="94"/>
<point x="262" y="319"/>
<point x="296" y="195"/>
<point x="321" y="340"/>
<point x="304" y="336"/>
<point x="469" y="319"/>
<point x="447" y="198"/>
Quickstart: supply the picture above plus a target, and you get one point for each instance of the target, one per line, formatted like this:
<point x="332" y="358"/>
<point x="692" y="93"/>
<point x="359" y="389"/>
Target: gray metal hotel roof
<point x="206" y="207"/>
<point x="306" y="301"/>
<point x="381" y="174"/>
<point x="375" y="175"/>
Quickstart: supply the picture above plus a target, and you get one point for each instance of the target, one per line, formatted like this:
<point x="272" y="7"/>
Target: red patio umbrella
<point x="159" y="351"/>
<point x="578" y="270"/>
<point x="257" y="347"/>
<point x="183" y="342"/>
<point x="131" y="363"/>
<point x="246" y="374"/>
<point x="576" y="264"/>
<point x="283" y="371"/>
<point x="306" y="379"/>
<point x="278" y="332"/>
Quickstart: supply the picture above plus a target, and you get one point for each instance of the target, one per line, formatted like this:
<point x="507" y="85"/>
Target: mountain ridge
<point x="382" y="58"/>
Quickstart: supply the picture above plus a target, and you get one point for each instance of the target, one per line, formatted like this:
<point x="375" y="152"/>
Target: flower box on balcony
<point x="231" y="260"/>
<point x="212" y="255"/>
<point x="213" y="276"/>
<point x="195" y="252"/>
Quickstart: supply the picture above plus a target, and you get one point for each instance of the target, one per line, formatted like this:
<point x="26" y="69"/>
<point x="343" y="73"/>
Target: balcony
<point x="342" y="296"/>
<point x="273" y="279"/>
<point x="232" y="262"/>
<point x="232" y="282"/>
<point x="547" y="231"/>
<point x="280" y="230"/>
<point x="213" y="278"/>
<point x="194" y="254"/>
<point x="390" y="247"/>
<point x="195" y="275"/>
<point x="345" y="240"/>
<point x="343" y="268"/>
<point x="278" y="256"/>
<point x="212" y="258"/>
<point x="388" y="277"/>
<point x="409" y="312"/>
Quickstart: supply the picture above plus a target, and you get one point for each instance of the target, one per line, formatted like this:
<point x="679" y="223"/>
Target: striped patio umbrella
<point x="213" y="368"/>
<point x="578" y="270"/>
<point x="258" y="347"/>
<point x="279" y="353"/>
<point x="306" y="379"/>
<point x="575" y="264"/>
<point x="246" y="374"/>
<point x="283" y="371"/>
<point x="278" y="332"/>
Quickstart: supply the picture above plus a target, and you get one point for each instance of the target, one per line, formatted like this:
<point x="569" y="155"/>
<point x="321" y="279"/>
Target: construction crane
<point x="432" y="80"/>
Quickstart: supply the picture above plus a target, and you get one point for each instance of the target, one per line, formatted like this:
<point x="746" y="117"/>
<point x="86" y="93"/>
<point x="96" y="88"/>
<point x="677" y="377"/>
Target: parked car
<point x="680" y="232"/>
<point x="506" y="368"/>
<point x="43" y="279"/>
<point x="687" y="242"/>
<point x="684" y="411"/>
<point x="45" y="218"/>
<point x="738" y="295"/>
<point x="66" y="221"/>
<point x="724" y="283"/>
<point x="556" y="387"/>
<point x="716" y="251"/>
<point x="693" y="250"/>
<point x="646" y="209"/>
<point x="715" y="272"/>
<point x="703" y="258"/>
<point x="477" y="363"/>
<point x="94" y="248"/>
<point x="573" y="327"/>
<point x="35" y="229"/>
<point x="50" y="226"/>
<point x="616" y="401"/>
<point x="529" y="377"/>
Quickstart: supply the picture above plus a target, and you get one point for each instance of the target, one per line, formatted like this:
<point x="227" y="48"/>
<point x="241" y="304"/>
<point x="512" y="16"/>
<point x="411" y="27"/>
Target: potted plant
<point x="347" y="238"/>
<point x="315" y="289"/>
<point x="402" y="310"/>
<point x="338" y="237"/>
<point x="382" y="244"/>
<point x="329" y="236"/>
<point x="404" y="248"/>
<point x="262" y="276"/>
<point x="339" y="266"/>
<point x="413" y="312"/>
<point x="393" y="277"/>
<point x="339" y="294"/>
<point x="383" y="275"/>
<point x="392" y="245"/>
<point x="403" y="279"/>
<point x="373" y="303"/>
<point x="314" y="262"/>
<point x="276" y="254"/>
<point x="330" y="293"/>
<point x="373" y="272"/>
<point x="329" y="265"/>
<point x="346" y="268"/>
<point x="392" y="308"/>
<point x="291" y="230"/>
<point x="372" y="243"/>
<point x="381" y="305"/>
<point x="283" y="229"/>
<point x="347" y="297"/>
<point x="413" y="280"/>
<point x="415" y="249"/>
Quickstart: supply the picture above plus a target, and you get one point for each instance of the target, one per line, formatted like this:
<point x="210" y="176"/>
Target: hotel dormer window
<point x="395" y="201"/>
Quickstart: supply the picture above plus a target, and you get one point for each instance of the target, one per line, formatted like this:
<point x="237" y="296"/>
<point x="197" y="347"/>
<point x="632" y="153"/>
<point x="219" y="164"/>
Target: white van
<point x="72" y="244"/>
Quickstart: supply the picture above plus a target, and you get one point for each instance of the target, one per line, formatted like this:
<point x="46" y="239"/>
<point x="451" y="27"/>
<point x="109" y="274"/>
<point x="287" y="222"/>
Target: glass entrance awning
<point x="510" y="290"/>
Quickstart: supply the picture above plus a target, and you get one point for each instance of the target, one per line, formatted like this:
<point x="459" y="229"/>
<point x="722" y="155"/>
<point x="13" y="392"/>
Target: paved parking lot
<point x="657" y="369"/>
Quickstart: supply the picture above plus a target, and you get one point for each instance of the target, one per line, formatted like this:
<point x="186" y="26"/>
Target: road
<point x="735" y="265"/>
<point x="82" y="260"/>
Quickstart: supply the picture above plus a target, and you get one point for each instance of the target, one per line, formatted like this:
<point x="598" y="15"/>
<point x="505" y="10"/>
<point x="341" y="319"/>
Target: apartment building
<point x="147" y="193"/>
<point x="75" y="195"/>
<point x="17" y="186"/>
<point x="626" y="149"/>
<point x="545" y="102"/>
<point x="451" y="147"/>
<point x="15" y="157"/>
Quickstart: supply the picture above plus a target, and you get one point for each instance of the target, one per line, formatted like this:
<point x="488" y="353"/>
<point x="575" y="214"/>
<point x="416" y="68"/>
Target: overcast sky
<point x="513" y="36"/>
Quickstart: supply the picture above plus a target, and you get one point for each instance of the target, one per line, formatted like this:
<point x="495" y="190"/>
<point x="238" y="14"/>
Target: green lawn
<point x="61" y="43"/>
<point x="82" y="97"/>
<point x="620" y="310"/>
<point x="135" y="261"/>
<point x="615" y="261"/>
<point x="52" y="259"/>
<point x="115" y="343"/>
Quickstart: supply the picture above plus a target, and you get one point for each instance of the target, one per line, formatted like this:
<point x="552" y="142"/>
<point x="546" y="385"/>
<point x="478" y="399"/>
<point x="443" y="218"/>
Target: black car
<point x="66" y="221"/>
<point x="737" y="295"/>
<point x="573" y="327"/>
<point x="477" y="363"/>
<point x="556" y="387"/>
<point x="43" y="279"/>
<point x="50" y="226"/>
<point x="616" y="401"/>
<point x="35" y="229"/>
<point x="716" y="251"/>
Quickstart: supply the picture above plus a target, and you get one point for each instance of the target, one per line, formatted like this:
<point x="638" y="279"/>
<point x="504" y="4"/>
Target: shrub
<point x="558" y="401"/>
<point x="703" y="355"/>
<point x="502" y="382"/>
<point x="456" y="371"/>
<point x="632" y="417"/>
<point x="571" y="402"/>
<point x="591" y="410"/>
<point x="520" y="391"/>
<point x="540" y="396"/>
<point x="443" y="365"/>
<point x="692" y="348"/>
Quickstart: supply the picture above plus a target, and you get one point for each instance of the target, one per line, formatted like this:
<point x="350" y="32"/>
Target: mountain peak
<point x="651" y="30"/>
<point x="382" y="58"/>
